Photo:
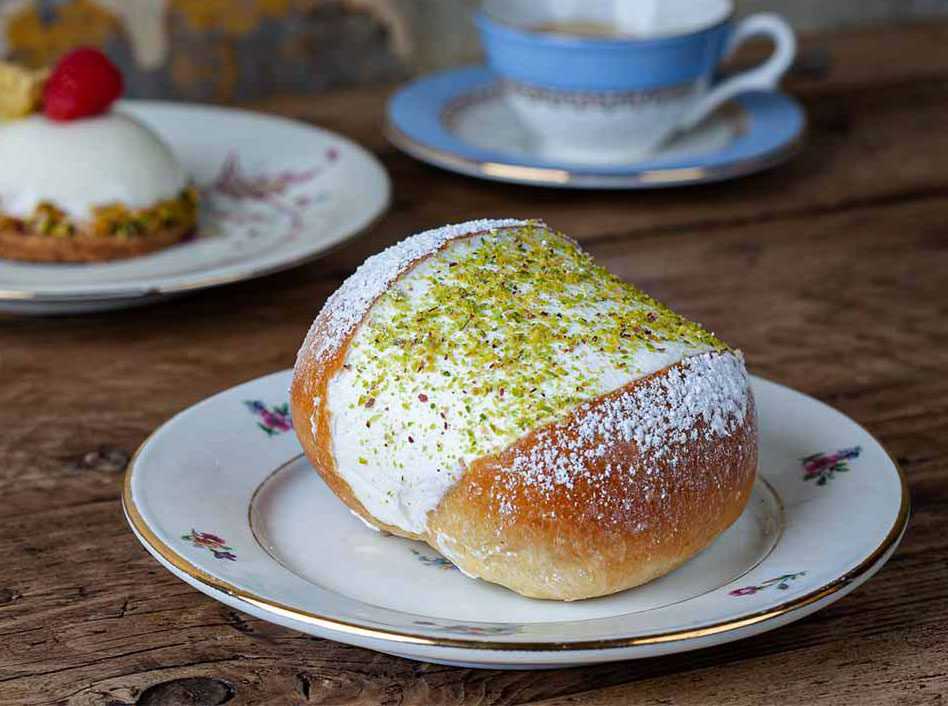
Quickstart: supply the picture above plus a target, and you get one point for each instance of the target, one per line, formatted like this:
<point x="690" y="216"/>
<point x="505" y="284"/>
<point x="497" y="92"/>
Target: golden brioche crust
<point x="85" y="247"/>
<point x="606" y="532"/>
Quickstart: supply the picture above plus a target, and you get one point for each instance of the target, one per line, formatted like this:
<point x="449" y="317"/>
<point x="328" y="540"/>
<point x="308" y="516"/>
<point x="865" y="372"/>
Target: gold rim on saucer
<point x="548" y="176"/>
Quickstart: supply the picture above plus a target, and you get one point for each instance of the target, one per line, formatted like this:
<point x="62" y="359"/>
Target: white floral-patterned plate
<point x="274" y="193"/>
<point x="221" y="496"/>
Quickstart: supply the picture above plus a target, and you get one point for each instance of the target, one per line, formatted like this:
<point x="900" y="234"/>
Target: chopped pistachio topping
<point x="113" y="220"/>
<point x="498" y="334"/>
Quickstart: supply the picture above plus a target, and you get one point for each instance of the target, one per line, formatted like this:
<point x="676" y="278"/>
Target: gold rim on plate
<point x="552" y="176"/>
<point x="169" y="555"/>
<point x="162" y="291"/>
<point x="773" y="495"/>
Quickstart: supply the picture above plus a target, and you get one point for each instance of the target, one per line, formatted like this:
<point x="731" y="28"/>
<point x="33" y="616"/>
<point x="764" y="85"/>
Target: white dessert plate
<point x="274" y="193"/>
<point x="221" y="496"/>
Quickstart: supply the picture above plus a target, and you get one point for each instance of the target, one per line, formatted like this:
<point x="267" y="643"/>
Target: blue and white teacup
<point x="609" y="81"/>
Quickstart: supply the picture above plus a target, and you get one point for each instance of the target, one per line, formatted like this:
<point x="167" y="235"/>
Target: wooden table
<point x="831" y="273"/>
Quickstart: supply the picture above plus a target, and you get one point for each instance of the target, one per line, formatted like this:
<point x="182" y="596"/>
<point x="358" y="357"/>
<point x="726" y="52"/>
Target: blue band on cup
<point x="552" y="61"/>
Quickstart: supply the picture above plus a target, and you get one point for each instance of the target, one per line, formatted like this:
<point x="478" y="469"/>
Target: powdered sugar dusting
<point x="454" y="345"/>
<point x="349" y="304"/>
<point x="706" y="394"/>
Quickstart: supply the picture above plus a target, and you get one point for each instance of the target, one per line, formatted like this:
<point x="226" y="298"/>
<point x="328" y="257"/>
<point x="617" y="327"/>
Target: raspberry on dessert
<point x="83" y="84"/>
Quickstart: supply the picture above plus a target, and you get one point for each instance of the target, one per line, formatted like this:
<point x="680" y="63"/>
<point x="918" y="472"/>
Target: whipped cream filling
<point x="80" y="165"/>
<point x="402" y="443"/>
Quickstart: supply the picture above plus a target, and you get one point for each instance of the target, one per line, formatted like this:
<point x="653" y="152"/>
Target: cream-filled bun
<point x="490" y="390"/>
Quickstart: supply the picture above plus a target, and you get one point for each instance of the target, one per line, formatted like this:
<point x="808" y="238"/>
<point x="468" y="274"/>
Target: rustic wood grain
<point x="830" y="273"/>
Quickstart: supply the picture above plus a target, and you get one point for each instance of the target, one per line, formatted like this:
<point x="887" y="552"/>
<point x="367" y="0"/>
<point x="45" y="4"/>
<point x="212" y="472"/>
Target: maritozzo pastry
<point x="490" y="390"/>
<point x="80" y="182"/>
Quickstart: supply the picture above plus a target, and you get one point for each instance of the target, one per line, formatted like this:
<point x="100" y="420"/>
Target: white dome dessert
<point x="78" y="181"/>
<point x="78" y="166"/>
<point x="100" y="188"/>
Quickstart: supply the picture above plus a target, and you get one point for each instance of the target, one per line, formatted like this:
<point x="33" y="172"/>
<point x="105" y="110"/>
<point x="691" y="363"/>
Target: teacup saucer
<point x="458" y="120"/>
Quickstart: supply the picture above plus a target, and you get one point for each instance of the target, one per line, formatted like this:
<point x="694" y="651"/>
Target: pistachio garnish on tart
<point x="85" y="182"/>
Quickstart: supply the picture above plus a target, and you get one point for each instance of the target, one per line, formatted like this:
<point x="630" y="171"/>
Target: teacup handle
<point x="765" y="77"/>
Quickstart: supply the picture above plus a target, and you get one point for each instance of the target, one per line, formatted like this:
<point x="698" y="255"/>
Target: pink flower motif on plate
<point x="272" y="420"/>
<point x="214" y="544"/>
<point x="781" y="583"/>
<point x="822" y="467"/>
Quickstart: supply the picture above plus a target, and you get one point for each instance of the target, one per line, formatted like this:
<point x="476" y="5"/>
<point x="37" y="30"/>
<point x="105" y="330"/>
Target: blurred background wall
<point x="234" y="50"/>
